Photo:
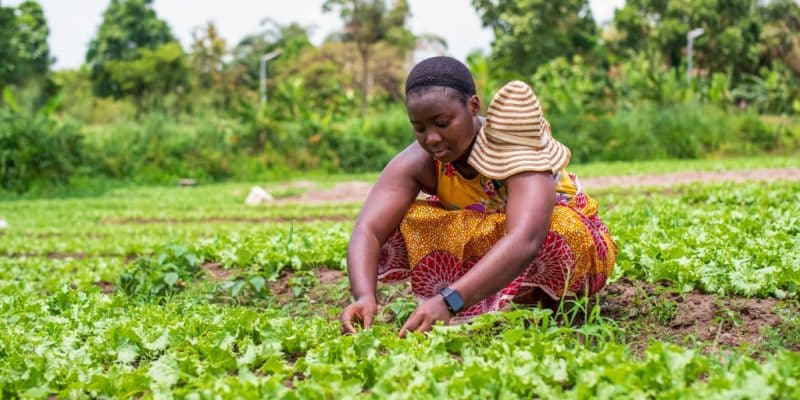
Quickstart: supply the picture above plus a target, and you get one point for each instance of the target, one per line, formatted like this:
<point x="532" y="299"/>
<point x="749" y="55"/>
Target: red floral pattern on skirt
<point x="393" y="260"/>
<point x="549" y="272"/>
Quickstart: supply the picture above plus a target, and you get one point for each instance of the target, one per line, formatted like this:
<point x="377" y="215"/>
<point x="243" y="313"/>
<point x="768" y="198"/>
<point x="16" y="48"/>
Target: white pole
<point x="690" y="37"/>
<point x="262" y="85"/>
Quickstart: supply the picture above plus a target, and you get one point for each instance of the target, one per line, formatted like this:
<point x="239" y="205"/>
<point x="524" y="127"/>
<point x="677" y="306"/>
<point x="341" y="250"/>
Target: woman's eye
<point x="442" y="124"/>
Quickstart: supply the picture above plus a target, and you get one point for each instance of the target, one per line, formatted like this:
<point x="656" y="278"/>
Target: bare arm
<point x="528" y="213"/>
<point x="388" y="201"/>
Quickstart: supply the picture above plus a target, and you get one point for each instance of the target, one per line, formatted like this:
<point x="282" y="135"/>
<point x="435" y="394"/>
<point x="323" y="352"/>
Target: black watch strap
<point x="453" y="300"/>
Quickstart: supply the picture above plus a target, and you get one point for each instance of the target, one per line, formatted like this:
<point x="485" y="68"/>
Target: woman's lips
<point x="439" y="152"/>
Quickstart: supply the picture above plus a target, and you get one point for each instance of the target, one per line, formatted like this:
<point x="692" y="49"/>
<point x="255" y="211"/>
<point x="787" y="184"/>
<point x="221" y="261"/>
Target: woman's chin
<point x="443" y="156"/>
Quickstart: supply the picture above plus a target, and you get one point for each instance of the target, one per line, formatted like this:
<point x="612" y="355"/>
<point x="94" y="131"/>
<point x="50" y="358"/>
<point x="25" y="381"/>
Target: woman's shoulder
<point x="413" y="163"/>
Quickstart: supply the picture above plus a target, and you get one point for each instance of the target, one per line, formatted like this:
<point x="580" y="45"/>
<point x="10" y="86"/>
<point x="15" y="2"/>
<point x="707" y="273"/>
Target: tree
<point x="208" y="51"/>
<point x="218" y="79"/>
<point x="529" y="33"/>
<point x="152" y="75"/>
<point x="781" y="36"/>
<point x="367" y="22"/>
<point x="24" y="52"/>
<point x="128" y="27"/>
<point x="291" y="39"/>
<point x="33" y="52"/>
<point x="730" y="42"/>
<point x="8" y="54"/>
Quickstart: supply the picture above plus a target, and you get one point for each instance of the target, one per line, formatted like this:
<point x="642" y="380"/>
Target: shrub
<point x="34" y="147"/>
<point x="157" y="148"/>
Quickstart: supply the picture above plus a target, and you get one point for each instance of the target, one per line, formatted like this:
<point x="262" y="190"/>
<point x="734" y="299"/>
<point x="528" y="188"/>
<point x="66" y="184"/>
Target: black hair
<point x="462" y="97"/>
<point x="441" y="72"/>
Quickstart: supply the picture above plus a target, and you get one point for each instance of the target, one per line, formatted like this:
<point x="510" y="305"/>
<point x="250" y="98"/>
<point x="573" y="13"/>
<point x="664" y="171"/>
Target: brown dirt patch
<point x="352" y="191"/>
<point x="678" y="178"/>
<point x="356" y="191"/>
<point x="216" y="271"/>
<point x="45" y="235"/>
<point x="328" y="276"/>
<point x="60" y="256"/>
<point x="105" y="286"/>
<point x="57" y="255"/>
<point x="694" y="316"/>
<point x="292" y="185"/>
<point x="250" y="220"/>
<point x="324" y="290"/>
<point x="281" y="287"/>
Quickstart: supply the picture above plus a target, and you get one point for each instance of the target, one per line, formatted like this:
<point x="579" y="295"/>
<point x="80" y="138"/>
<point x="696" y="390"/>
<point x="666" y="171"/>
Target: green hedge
<point x="38" y="149"/>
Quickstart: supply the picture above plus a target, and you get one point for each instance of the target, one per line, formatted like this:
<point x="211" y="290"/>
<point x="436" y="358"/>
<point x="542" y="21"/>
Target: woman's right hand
<point x="362" y="311"/>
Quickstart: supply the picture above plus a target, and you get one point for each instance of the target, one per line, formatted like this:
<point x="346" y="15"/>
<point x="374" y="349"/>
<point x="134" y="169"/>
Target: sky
<point x="73" y="23"/>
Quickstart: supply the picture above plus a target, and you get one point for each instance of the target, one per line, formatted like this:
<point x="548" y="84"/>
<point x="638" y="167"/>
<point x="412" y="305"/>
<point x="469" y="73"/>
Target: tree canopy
<point x="529" y="33"/>
<point x="24" y="52"/>
<point x="128" y="27"/>
<point x="368" y="22"/>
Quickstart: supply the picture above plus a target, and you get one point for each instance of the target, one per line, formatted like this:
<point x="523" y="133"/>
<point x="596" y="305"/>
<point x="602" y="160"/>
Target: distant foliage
<point x="143" y="108"/>
<point x="529" y="33"/>
<point x="24" y="51"/>
<point x="128" y="30"/>
<point x="35" y="148"/>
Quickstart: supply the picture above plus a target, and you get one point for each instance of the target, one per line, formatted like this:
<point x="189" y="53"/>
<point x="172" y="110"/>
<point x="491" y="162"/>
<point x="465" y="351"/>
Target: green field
<point x="186" y="292"/>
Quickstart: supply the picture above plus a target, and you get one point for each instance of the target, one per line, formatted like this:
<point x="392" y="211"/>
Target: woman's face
<point x="443" y="125"/>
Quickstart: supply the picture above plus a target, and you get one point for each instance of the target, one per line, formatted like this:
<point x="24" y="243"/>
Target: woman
<point x="505" y="222"/>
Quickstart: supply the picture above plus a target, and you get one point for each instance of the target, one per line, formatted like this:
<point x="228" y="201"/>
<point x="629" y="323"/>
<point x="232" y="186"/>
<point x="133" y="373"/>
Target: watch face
<point x="453" y="300"/>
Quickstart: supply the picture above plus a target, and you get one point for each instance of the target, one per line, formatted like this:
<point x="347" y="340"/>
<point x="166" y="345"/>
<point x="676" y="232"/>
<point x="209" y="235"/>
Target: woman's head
<point x="442" y="107"/>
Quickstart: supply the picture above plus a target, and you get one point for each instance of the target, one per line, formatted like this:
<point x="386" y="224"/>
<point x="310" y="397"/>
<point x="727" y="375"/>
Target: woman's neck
<point x="461" y="165"/>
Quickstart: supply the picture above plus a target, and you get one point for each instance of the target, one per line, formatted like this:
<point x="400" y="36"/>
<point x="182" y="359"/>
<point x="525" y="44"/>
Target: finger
<point x="368" y="317"/>
<point x="426" y="325"/>
<point x="410" y="325"/>
<point x="347" y="328"/>
<point x="347" y="325"/>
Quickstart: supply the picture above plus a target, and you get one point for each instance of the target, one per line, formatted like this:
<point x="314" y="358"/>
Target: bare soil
<point x="356" y="191"/>
<point x="251" y="220"/>
<point x="106" y="287"/>
<point x="678" y="178"/>
<point x="57" y="255"/>
<point x="657" y="313"/>
<point x="342" y="192"/>
<point x="216" y="272"/>
<point x="324" y="290"/>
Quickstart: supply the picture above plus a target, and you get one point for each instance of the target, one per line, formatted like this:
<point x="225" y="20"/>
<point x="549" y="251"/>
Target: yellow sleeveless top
<point x="483" y="194"/>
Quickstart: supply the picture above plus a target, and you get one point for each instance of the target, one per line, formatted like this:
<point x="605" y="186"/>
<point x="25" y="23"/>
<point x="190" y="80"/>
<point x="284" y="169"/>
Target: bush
<point x="356" y="153"/>
<point x="34" y="147"/>
<point x="755" y="135"/>
<point x="653" y="131"/>
<point x="363" y="144"/>
<point x="158" y="149"/>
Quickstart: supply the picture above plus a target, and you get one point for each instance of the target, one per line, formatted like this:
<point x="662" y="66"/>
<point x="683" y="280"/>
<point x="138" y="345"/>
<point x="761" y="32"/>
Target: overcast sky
<point x="73" y="23"/>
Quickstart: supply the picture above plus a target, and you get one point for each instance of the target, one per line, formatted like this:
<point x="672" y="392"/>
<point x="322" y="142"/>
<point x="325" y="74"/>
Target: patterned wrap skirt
<point x="434" y="247"/>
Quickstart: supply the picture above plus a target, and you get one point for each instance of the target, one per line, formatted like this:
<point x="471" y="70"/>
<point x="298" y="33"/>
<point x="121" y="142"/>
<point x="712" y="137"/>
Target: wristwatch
<point x="453" y="300"/>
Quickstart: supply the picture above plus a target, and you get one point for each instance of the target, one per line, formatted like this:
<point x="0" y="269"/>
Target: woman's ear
<point x="474" y="105"/>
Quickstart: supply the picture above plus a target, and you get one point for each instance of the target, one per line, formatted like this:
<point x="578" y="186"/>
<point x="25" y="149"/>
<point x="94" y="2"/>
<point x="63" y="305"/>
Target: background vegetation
<point x="143" y="108"/>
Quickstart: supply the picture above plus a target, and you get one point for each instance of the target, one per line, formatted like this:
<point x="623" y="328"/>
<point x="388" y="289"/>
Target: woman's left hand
<point x="426" y="314"/>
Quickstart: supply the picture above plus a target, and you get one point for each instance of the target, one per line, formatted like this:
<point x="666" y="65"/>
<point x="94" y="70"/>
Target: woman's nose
<point x="432" y="138"/>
